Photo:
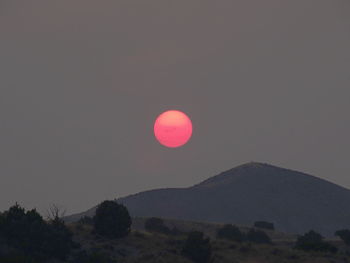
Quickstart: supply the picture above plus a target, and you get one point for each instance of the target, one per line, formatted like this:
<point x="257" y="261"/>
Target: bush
<point x="264" y="224"/>
<point x="313" y="241"/>
<point x="257" y="236"/>
<point x="344" y="235"/>
<point x="32" y="236"/>
<point x="112" y="220"/>
<point x="197" y="248"/>
<point x="60" y="239"/>
<point x="2" y="221"/>
<point x="155" y="224"/>
<point x="230" y="232"/>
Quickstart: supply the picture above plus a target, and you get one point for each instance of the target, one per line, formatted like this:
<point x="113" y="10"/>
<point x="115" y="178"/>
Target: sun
<point x="173" y="128"/>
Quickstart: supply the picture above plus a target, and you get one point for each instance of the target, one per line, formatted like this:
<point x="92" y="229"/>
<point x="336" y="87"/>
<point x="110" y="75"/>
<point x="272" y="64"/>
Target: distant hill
<point x="295" y="202"/>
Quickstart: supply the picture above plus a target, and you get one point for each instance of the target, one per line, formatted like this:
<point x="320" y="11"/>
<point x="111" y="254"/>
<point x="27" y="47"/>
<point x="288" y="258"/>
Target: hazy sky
<point x="81" y="83"/>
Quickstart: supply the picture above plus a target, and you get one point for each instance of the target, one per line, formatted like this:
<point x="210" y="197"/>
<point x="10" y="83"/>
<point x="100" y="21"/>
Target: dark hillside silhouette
<point x="296" y="202"/>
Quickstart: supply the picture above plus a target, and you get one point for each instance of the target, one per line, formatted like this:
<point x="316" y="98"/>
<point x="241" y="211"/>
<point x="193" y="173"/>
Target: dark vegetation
<point x="25" y="237"/>
<point x="344" y="234"/>
<point x="313" y="241"/>
<point x="197" y="248"/>
<point x="33" y="239"/>
<point x="112" y="220"/>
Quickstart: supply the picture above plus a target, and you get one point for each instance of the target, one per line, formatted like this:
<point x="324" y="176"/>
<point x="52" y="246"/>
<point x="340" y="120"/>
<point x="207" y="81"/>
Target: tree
<point x="344" y="234"/>
<point x="264" y="224"/>
<point x="197" y="248"/>
<point x="2" y="221"/>
<point x="230" y="232"/>
<point x="32" y="236"/>
<point x="24" y="230"/>
<point x="59" y="239"/>
<point x="12" y="223"/>
<point x="59" y="236"/>
<point x="55" y="211"/>
<point x="313" y="241"/>
<point x="155" y="224"/>
<point x="258" y="236"/>
<point x="112" y="220"/>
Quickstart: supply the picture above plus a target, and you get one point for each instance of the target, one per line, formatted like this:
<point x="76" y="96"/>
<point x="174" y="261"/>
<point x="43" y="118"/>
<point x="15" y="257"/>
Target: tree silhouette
<point x="313" y="241"/>
<point x="344" y="235"/>
<point x="112" y="220"/>
<point x="32" y="236"/>
<point x="197" y="248"/>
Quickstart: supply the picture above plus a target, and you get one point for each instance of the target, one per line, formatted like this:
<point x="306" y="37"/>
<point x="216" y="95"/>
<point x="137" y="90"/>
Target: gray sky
<point x="81" y="83"/>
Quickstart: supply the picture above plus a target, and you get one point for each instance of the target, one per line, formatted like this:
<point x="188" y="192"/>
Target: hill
<point x="295" y="202"/>
<point x="26" y="237"/>
<point x="143" y="246"/>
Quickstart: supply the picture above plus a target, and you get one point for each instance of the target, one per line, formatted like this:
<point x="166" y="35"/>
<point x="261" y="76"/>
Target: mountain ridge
<point x="296" y="202"/>
<point x="257" y="165"/>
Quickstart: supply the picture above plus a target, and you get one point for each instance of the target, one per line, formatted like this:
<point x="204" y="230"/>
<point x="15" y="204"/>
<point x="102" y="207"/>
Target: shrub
<point x="230" y="232"/>
<point x="25" y="231"/>
<point x="2" y="221"/>
<point x="32" y="236"/>
<point x="264" y="224"/>
<point x="257" y="236"/>
<point x="313" y="241"/>
<point x="344" y="235"/>
<point x="155" y="224"/>
<point x="59" y="239"/>
<point x="112" y="220"/>
<point x="197" y="248"/>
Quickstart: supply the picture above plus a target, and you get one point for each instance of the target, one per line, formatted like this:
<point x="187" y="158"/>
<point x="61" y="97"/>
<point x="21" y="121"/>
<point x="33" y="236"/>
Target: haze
<point x="81" y="83"/>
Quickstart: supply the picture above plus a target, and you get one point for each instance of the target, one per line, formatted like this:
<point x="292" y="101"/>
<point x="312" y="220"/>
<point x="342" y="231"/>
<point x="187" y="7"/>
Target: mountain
<point x="295" y="202"/>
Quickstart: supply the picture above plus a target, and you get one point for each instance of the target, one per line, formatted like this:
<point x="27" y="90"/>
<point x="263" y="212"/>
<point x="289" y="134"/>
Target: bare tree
<point x="55" y="212"/>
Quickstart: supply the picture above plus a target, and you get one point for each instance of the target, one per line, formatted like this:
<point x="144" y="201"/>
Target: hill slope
<point x="146" y="247"/>
<point x="294" y="201"/>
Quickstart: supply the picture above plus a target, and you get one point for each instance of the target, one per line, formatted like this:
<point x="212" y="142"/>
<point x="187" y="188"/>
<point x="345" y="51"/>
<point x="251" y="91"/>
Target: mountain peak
<point x="254" y="165"/>
<point x="296" y="202"/>
<point x="251" y="169"/>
